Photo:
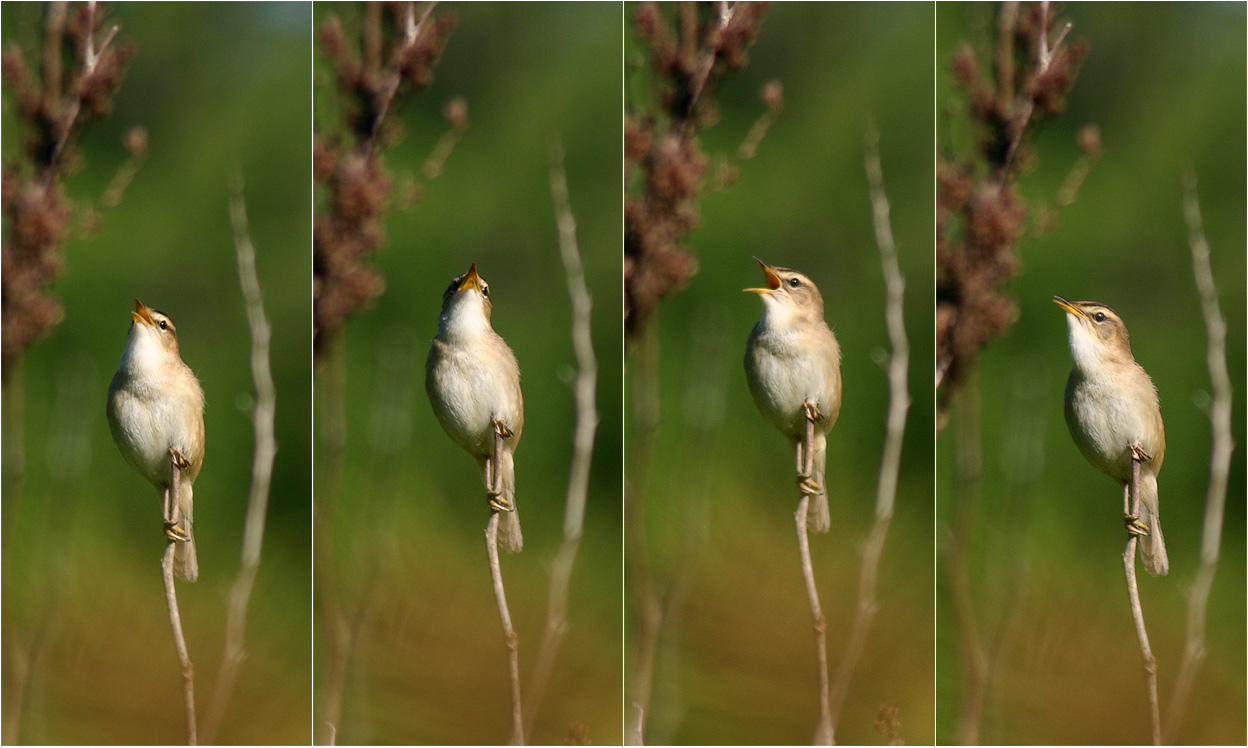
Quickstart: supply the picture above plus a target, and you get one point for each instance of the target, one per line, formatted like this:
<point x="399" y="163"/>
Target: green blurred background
<point x="1165" y="83"/>
<point x="217" y="85"/>
<point x="428" y="664"/>
<point x="736" y="663"/>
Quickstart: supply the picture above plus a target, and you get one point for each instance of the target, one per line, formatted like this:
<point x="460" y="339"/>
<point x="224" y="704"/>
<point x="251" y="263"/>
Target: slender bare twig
<point x="723" y="16"/>
<point x="643" y="594"/>
<point x="582" y="440"/>
<point x="509" y="634"/>
<point x="973" y="656"/>
<point x="1019" y="125"/>
<point x="1137" y="612"/>
<point x="1219" y="462"/>
<point x="898" y="406"/>
<point x="394" y="76"/>
<point x="175" y="618"/>
<point x="261" y="467"/>
<point x="823" y="733"/>
<point x="90" y="58"/>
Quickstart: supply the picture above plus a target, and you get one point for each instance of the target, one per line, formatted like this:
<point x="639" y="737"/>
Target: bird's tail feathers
<point x="509" y="537"/>
<point x="1153" y="545"/>
<point x="185" y="562"/>
<point x="818" y="519"/>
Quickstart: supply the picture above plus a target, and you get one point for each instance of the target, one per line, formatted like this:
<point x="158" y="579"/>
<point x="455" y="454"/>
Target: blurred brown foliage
<point x="980" y="216"/>
<point x="692" y="46"/>
<point x="394" y="55"/>
<point x="71" y="84"/>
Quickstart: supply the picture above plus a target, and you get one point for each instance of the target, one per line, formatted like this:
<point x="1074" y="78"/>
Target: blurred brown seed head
<point x="1089" y="140"/>
<point x="456" y="112"/>
<point x="772" y="94"/>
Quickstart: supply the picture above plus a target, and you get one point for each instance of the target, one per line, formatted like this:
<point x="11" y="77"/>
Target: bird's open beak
<point x="141" y="314"/>
<point x="1068" y="306"/>
<point x="773" y="280"/>
<point x="471" y="279"/>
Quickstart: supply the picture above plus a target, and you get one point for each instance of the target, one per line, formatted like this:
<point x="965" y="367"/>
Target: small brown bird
<point x="793" y="365"/>
<point x="473" y="382"/>
<point x="1114" y="416"/>
<point x="156" y="414"/>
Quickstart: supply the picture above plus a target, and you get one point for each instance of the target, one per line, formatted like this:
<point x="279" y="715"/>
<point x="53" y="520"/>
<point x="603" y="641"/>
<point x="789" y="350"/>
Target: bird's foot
<point x="1138" y="454"/>
<point x="501" y="429"/>
<point x="1135" y="526"/>
<point x="812" y="412"/>
<point x="178" y="460"/>
<point x="499" y="502"/>
<point x="174" y="533"/>
<point x="808" y="486"/>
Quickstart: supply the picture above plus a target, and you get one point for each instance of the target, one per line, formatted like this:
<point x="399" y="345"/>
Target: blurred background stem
<point x="968" y="467"/>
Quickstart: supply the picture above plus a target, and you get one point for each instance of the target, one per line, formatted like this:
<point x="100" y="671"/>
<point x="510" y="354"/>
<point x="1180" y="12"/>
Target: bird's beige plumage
<point x="1113" y="413"/>
<point x="793" y="366"/>
<point x="156" y="412"/>
<point x="473" y="382"/>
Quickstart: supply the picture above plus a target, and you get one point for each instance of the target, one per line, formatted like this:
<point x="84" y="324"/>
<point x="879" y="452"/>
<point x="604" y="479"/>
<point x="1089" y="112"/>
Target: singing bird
<point x="156" y="414"/>
<point x="793" y="365"/>
<point x="473" y="382"/>
<point x="1114" y="416"/>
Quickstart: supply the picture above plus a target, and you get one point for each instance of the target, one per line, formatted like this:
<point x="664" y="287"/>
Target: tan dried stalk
<point x="175" y="617"/>
<point x="898" y="406"/>
<point x="585" y="388"/>
<point x="1219" y="461"/>
<point x="823" y="732"/>
<point x="1137" y="612"/>
<point x="265" y="451"/>
<point x="509" y="633"/>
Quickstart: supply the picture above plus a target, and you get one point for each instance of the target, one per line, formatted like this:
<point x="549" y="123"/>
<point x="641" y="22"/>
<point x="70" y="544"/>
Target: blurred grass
<point x="737" y="662"/>
<point x="1164" y="83"/>
<point x="217" y="85"/>
<point x="429" y="664"/>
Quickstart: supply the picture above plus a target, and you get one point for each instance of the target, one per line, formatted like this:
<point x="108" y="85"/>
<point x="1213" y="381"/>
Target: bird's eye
<point x="485" y="290"/>
<point x="164" y="324"/>
<point x="1099" y="316"/>
<point x="794" y="282"/>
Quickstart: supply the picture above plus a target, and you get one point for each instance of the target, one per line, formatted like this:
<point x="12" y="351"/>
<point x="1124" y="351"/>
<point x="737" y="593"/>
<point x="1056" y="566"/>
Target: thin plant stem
<point x="393" y="76"/>
<point x="18" y="655"/>
<point x="585" y="388"/>
<point x="509" y="634"/>
<point x="333" y="616"/>
<point x="1006" y="55"/>
<point x="1219" y="462"/>
<point x="1137" y="612"/>
<point x="968" y="467"/>
<point x="645" y="601"/>
<point x="90" y="58"/>
<point x="898" y="406"/>
<point x="261" y="467"/>
<point x="175" y="618"/>
<point x="823" y="733"/>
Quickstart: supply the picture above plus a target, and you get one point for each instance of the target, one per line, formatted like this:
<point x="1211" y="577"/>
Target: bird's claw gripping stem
<point x="174" y="533"/>
<point x="498" y="502"/>
<point x="1135" y="526"/>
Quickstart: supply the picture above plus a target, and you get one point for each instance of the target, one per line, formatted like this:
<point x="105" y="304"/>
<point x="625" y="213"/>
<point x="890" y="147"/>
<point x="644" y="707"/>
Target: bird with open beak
<point x="793" y="366"/>
<point x="1114" y="416"/>
<point x="156" y="413"/>
<point x="473" y="382"/>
